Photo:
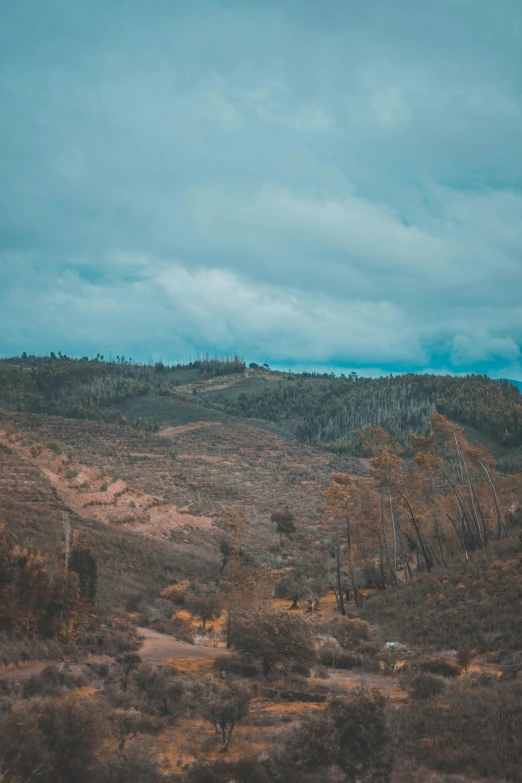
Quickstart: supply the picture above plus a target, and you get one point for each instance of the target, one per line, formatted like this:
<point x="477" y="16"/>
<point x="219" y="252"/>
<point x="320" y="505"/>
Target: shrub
<point x="138" y="763"/>
<point x="132" y="604"/>
<point x="176" y="592"/>
<point x="238" y="665"/>
<point x="425" y="686"/>
<point x="440" y="666"/>
<point x="349" y="660"/>
<point x="52" y="681"/>
<point x="350" y="633"/>
<point x="332" y="654"/>
<point x="349" y="734"/>
<point x="244" y="771"/>
<point x="321" y="672"/>
<point x="160" y="687"/>
<point x="476" y="732"/>
<point x="58" y="737"/>
<point x="481" y="679"/>
<point x="118" y="635"/>
<point x="300" y="668"/>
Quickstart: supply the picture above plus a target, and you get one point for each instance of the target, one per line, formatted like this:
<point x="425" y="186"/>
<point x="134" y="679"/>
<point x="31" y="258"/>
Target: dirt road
<point x="159" y="646"/>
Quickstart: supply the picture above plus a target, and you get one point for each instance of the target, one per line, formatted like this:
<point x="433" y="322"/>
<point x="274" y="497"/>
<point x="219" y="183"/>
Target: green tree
<point x="83" y="562"/>
<point x="206" y="604"/>
<point x="350" y="734"/>
<point x="284" y="522"/>
<point x="224" y="705"/>
<point x="271" y="637"/>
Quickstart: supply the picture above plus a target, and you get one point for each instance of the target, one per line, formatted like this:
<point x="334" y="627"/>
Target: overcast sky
<point x="306" y="182"/>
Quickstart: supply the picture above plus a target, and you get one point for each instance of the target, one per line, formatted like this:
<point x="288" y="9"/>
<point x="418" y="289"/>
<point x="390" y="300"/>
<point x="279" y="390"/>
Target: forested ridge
<point x="318" y="410"/>
<point x="336" y="411"/>
<point x="85" y="388"/>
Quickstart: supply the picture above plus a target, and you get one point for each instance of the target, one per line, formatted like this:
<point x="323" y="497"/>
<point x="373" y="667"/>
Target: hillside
<point x="173" y="485"/>
<point x="335" y="411"/>
<point x="318" y="410"/>
<point x="87" y="388"/>
<point x="177" y="557"/>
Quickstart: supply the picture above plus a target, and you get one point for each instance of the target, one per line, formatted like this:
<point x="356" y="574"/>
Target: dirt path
<point x="159" y="646"/>
<point x="173" y="432"/>
<point x="24" y="671"/>
<point x="213" y="384"/>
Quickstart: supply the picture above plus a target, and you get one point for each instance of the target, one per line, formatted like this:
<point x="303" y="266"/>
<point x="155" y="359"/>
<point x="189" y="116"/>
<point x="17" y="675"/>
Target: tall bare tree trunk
<point x="501" y="527"/>
<point x="351" y="565"/>
<point x="338" y="571"/>
<point x="401" y="539"/>
<point x="437" y="524"/>
<point x="460" y="538"/>
<point x="482" y="537"/>
<point x="425" y="554"/>
<point x="386" y="550"/>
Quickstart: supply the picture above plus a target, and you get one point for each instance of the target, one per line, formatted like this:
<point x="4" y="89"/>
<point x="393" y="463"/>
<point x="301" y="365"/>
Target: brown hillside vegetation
<point x="214" y="602"/>
<point x="159" y="483"/>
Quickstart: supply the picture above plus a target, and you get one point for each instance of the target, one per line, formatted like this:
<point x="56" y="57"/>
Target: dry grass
<point x="191" y="665"/>
<point x="196" y="740"/>
<point x="262" y="706"/>
<point x="217" y="624"/>
<point x="341" y="680"/>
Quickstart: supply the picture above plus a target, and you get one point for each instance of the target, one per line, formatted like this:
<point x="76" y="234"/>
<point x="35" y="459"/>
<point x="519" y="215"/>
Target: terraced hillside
<point x="173" y="485"/>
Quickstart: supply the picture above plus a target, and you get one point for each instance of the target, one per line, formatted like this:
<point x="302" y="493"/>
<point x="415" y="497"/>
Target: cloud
<point x="308" y="118"/>
<point x="285" y="180"/>
<point x="218" y="108"/>
<point x="482" y="347"/>
<point x="389" y="106"/>
<point x="165" y="307"/>
<point x="274" y="103"/>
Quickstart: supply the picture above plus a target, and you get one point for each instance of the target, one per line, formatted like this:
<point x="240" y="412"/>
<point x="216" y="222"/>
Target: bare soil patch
<point x="174" y="432"/>
<point x="161" y="648"/>
<point x="93" y="494"/>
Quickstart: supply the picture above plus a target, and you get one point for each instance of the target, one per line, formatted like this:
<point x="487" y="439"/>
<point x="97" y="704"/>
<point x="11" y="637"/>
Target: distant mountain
<point x="518" y="384"/>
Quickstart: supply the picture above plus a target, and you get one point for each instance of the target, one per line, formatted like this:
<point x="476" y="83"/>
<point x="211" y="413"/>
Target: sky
<point x="332" y="184"/>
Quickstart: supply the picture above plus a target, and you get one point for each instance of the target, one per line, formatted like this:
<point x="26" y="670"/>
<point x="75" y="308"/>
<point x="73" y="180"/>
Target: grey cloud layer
<point x="334" y="182"/>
